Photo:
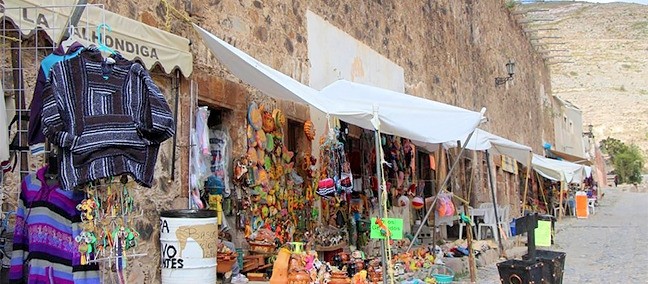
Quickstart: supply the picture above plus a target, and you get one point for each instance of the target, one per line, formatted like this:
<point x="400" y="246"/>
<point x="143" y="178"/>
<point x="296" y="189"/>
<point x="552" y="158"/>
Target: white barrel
<point x="188" y="240"/>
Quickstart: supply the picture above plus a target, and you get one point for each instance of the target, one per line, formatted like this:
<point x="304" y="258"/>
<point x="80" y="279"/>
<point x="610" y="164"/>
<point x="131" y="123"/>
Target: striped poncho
<point x="107" y="118"/>
<point x="44" y="250"/>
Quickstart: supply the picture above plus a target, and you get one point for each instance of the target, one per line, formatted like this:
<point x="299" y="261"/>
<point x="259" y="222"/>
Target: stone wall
<point x="451" y="52"/>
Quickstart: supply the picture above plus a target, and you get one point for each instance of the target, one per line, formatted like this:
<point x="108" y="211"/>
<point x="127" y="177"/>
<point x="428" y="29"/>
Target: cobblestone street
<point x="609" y="247"/>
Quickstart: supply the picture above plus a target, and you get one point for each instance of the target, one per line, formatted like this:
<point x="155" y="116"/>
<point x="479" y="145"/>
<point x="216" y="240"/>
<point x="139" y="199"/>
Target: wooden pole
<point x="526" y="183"/>
<point x="471" y="255"/>
<point x="492" y="189"/>
<point x="562" y="188"/>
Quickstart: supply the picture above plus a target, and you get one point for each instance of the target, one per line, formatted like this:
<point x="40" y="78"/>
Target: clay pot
<point x="268" y="124"/>
<point x="299" y="277"/>
<point x="360" y="265"/>
<point x="344" y="256"/>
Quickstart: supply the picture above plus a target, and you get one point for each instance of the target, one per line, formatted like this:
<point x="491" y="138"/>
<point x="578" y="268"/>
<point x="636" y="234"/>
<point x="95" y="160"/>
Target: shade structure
<point x="132" y="39"/>
<point x="422" y="120"/>
<point x="558" y="170"/>
<point x="369" y="107"/>
<point x="263" y="77"/>
<point x="482" y="140"/>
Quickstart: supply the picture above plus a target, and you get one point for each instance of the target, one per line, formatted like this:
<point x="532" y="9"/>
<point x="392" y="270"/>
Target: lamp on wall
<point x="589" y="132"/>
<point x="510" y="68"/>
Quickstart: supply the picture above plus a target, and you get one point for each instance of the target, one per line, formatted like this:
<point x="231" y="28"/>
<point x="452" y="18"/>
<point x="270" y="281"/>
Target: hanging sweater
<point x="35" y="136"/>
<point x="4" y="129"/>
<point x="44" y="248"/>
<point x="108" y="119"/>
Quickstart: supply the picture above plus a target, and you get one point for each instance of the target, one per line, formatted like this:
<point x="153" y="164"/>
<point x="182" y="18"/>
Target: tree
<point x="612" y="146"/>
<point x="628" y="163"/>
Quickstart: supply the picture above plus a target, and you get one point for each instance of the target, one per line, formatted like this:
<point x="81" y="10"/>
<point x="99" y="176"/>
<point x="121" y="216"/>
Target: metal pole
<point x="443" y="185"/>
<point x="176" y="88"/>
<point x="74" y="19"/>
<point x="492" y="189"/>
<point x="380" y="202"/>
<point x="469" y="236"/>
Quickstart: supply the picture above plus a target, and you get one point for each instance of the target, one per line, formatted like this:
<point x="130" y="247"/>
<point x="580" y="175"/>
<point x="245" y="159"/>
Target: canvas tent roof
<point x="558" y="170"/>
<point x="482" y="140"/>
<point x="133" y="39"/>
<point x="416" y="118"/>
<point x="397" y="113"/>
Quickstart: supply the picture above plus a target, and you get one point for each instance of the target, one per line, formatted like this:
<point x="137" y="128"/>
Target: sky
<point x="645" y="2"/>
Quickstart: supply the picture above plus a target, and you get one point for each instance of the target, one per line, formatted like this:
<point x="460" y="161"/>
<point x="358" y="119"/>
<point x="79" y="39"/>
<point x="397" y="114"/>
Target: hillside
<point x="608" y="79"/>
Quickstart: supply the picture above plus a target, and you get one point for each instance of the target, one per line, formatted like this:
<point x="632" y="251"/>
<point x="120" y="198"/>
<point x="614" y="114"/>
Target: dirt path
<point x="609" y="247"/>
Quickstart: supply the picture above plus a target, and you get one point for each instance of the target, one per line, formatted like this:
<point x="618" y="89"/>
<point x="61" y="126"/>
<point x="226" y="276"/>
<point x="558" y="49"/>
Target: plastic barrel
<point x="581" y="205"/>
<point x="188" y="240"/>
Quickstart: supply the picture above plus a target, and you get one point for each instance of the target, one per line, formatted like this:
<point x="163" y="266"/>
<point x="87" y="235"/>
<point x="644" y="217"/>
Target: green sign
<point x="395" y="226"/>
<point x="543" y="234"/>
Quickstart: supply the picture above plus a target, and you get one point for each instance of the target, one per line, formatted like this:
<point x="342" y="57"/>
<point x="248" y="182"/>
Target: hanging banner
<point x="133" y="39"/>
<point x="509" y="164"/>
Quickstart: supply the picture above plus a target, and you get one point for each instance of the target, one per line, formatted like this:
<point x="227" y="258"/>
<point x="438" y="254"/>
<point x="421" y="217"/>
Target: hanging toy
<point x="383" y="228"/>
<point x="309" y="130"/>
<point x="255" y="119"/>
<point x="268" y="123"/>
<point x="417" y="202"/>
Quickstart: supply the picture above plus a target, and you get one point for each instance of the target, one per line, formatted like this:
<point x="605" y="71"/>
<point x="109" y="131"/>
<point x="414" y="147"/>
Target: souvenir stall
<point x="565" y="173"/>
<point x="393" y="114"/>
<point x="76" y="209"/>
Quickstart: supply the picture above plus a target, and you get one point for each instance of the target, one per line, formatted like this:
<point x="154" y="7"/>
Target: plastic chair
<point x="489" y="223"/>
<point x="462" y="224"/>
<point x="556" y="209"/>
<point x="591" y="205"/>
<point x="504" y="219"/>
<point x="486" y="205"/>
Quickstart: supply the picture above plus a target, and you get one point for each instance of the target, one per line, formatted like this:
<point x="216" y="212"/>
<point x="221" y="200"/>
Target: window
<point x="292" y="134"/>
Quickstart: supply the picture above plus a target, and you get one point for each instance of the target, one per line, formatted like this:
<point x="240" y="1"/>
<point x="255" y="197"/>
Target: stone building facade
<point x="450" y="51"/>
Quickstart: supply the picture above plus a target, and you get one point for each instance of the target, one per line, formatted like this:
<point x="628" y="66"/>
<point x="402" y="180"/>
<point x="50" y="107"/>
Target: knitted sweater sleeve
<point x="157" y="123"/>
<point x="54" y="126"/>
<point x="35" y="136"/>
<point x="20" y="242"/>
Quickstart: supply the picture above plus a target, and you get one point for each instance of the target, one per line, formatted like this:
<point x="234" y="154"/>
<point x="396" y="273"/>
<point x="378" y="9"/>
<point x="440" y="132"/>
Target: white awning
<point x="263" y="77"/>
<point x="422" y="120"/>
<point x="558" y="170"/>
<point x="133" y="39"/>
<point x="482" y="140"/>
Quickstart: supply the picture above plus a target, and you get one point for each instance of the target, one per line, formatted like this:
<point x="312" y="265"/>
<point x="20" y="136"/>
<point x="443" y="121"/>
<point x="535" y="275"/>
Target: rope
<point x="388" y="253"/>
<point x="11" y="38"/>
<point x="171" y="10"/>
<point x="542" y="192"/>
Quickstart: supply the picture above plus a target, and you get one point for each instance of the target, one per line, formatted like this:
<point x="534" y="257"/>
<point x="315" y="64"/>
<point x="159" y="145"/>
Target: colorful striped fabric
<point x="44" y="250"/>
<point x="108" y="119"/>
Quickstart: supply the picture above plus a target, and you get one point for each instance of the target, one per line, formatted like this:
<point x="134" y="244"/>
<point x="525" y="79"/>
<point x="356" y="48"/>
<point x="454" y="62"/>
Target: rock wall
<point x="607" y="44"/>
<point x="451" y="52"/>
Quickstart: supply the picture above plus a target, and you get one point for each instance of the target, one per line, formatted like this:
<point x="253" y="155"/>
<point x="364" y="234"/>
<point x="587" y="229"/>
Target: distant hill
<point x="608" y="80"/>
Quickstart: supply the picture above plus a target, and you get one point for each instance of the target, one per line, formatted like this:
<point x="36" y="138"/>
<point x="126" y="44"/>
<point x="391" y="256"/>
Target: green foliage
<point x="627" y="160"/>
<point x="628" y="165"/>
<point x="510" y="4"/>
<point x="612" y="146"/>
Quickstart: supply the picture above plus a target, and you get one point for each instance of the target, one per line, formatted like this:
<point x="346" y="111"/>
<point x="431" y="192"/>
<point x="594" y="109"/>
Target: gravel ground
<point x="610" y="246"/>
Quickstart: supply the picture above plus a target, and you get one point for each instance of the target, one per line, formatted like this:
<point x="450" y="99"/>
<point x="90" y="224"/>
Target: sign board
<point x="509" y="164"/>
<point x="543" y="234"/>
<point x="131" y="38"/>
<point x="395" y="226"/>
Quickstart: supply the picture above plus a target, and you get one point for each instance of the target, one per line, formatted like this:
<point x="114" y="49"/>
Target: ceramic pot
<point x="299" y="277"/>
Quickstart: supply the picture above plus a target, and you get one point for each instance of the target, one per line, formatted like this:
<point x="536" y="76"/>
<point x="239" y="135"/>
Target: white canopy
<point x="133" y="39"/>
<point x="396" y="113"/>
<point x="399" y="114"/>
<point x="270" y="81"/>
<point x="482" y="140"/>
<point x="558" y="170"/>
